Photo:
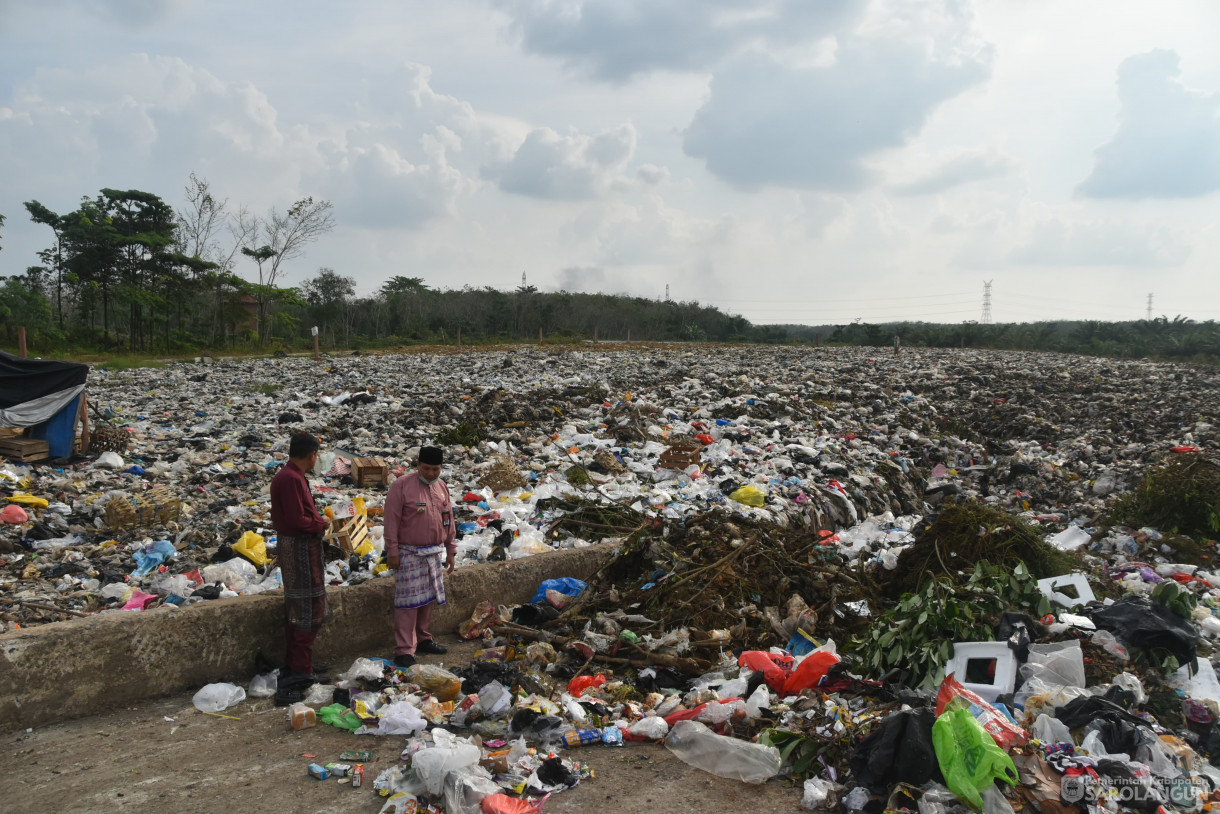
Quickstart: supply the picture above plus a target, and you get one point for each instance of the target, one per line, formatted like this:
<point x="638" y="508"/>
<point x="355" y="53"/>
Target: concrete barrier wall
<point x="68" y="669"/>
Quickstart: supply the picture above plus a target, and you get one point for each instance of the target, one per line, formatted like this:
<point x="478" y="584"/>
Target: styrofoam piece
<point x="1080" y="582"/>
<point x="1070" y="539"/>
<point x="1004" y="677"/>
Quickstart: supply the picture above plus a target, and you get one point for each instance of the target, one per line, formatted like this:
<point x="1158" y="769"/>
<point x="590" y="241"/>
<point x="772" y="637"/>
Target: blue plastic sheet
<point x="152" y="555"/>
<point x="569" y="586"/>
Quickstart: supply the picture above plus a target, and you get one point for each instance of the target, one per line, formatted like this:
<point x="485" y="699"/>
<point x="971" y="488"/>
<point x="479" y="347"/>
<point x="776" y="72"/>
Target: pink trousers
<point x="411" y="628"/>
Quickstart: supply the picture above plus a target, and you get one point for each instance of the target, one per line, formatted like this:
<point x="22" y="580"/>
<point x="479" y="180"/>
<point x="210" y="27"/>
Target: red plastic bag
<point x="1004" y="732"/>
<point x="503" y="804"/>
<point x="581" y="683"/>
<point x="684" y="715"/>
<point x="774" y="667"/>
<point x="810" y="672"/>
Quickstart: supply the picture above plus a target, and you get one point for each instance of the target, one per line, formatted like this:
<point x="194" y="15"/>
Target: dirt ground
<point x="165" y="756"/>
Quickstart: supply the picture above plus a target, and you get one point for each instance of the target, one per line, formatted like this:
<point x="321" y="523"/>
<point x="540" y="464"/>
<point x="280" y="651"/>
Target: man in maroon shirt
<point x="302" y="566"/>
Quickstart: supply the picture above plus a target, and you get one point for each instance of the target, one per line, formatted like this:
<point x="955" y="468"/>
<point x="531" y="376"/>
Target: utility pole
<point x="987" y="302"/>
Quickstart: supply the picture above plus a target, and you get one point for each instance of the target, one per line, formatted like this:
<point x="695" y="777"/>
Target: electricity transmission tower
<point x="1149" y="316"/>
<point x="987" y="302"/>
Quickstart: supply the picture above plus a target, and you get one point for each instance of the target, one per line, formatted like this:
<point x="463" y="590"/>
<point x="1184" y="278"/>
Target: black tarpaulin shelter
<point x="45" y="396"/>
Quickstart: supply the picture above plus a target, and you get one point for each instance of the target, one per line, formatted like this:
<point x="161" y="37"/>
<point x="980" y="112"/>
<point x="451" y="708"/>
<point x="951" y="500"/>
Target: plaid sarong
<point x="420" y="577"/>
<point x="302" y="569"/>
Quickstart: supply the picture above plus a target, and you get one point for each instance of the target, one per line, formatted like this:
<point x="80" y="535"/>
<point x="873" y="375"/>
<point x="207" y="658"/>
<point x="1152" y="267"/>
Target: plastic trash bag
<point x="431" y="765"/>
<point x="401" y="718"/>
<point x="651" y="728"/>
<point x="954" y="736"/>
<point x="369" y="669"/>
<point x="569" y="586"/>
<point x="775" y="667"/>
<point x="264" y="685"/>
<point x="152" y="555"/>
<point x="695" y="744"/>
<point x="1202" y="686"/>
<point x="1050" y="730"/>
<point x="749" y="495"/>
<point x="810" y="672"/>
<point x="817" y="794"/>
<point x="438" y="681"/>
<point x="338" y="716"/>
<point x="465" y="790"/>
<point x="218" y="697"/>
<point x="253" y="547"/>
<point x="1056" y="663"/>
<point x="108" y="460"/>
<point x="319" y="694"/>
<point x="1140" y="622"/>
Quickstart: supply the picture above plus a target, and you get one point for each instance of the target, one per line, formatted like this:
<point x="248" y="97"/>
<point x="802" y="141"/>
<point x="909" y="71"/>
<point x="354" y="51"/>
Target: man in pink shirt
<point x="420" y="546"/>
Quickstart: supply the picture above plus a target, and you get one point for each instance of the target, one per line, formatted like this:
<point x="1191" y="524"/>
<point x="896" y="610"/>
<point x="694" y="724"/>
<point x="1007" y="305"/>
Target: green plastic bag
<point x="339" y="716"/>
<point x="968" y="757"/>
<point x="749" y="495"/>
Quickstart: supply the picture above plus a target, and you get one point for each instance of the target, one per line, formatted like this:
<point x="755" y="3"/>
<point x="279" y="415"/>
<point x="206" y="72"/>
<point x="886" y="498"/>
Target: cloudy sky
<point x="788" y="160"/>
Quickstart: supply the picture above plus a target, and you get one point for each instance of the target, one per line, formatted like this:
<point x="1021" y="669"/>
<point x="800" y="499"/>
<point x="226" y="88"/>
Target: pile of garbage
<point x="1013" y="552"/>
<point x="805" y="438"/>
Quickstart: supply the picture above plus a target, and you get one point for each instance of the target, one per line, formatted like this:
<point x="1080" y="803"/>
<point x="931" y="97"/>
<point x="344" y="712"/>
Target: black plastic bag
<point x="1148" y="625"/>
<point x="900" y="750"/>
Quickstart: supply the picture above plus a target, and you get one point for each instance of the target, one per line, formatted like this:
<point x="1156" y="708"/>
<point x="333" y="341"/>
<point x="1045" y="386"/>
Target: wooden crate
<point x="349" y="533"/>
<point x="24" y="449"/>
<point x="680" y="456"/>
<point x="369" y="471"/>
<point x="151" y="508"/>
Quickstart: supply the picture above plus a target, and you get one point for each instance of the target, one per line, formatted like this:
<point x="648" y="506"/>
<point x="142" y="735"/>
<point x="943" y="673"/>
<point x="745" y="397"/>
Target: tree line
<point x="125" y="270"/>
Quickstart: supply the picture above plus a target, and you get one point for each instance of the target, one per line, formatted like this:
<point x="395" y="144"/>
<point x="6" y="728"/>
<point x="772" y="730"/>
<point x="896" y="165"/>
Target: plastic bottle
<point x="702" y="748"/>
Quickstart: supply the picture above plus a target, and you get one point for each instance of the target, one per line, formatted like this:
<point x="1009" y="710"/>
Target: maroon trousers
<point x="299" y="650"/>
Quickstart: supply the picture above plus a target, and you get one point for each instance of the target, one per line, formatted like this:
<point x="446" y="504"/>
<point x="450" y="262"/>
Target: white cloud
<point x="964" y="168"/>
<point x="768" y="123"/>
<point x="1168" y="140"/>
<point x="566" y="167"/>
<point x="615" y="40"/>
<point x="1054" y="242"/>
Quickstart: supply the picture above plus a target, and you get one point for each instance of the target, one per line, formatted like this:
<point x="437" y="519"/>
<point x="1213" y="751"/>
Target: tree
<point x="54" y="258"/>
<point x="145" y="227"/>
<point x="1" y="225"/>
<point x="328" y="295"/>
<point x="280" y="237"/>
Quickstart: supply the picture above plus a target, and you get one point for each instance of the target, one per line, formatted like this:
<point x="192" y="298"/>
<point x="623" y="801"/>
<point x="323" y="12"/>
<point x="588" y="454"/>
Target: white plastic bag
<point x="364" y="668"/>
<point x="401" y="718"/>
<point x="1050" y="730"/>
<point x="817" y="794"/>
<point x="320" y="695"/>
<point x="264" y="685"/>
<point x="1058" y="664"/>
<point x="651" y="727"/>
<point x="431" y="765"/>
<point x="218" y="697"/>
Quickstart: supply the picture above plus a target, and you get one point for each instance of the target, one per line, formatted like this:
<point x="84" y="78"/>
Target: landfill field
<point x="809" y="542"/>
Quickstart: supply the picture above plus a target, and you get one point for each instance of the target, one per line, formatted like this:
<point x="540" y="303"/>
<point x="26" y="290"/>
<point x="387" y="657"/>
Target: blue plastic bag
<point x="152" y="555"/>
<point x="569" y="586"/>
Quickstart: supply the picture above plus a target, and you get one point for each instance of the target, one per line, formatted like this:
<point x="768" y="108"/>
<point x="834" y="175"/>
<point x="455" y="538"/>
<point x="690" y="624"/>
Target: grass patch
<point x="128" y="363"/>
<point x="266" y="388"/>
<point x="468" y="434"/>
<point x="1182" y="496"/>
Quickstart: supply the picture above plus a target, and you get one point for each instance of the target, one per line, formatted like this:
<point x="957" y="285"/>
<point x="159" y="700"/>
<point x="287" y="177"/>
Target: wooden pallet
<point x="25" y="449"/>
